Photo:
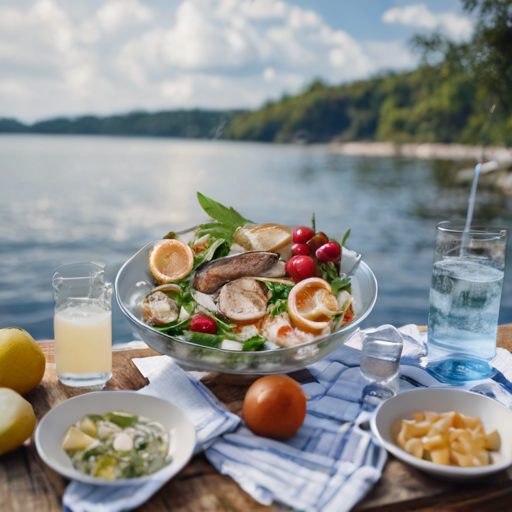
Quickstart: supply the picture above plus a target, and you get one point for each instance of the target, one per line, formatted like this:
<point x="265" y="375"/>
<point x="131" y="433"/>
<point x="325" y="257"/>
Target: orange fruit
<point x="170" y="260"/>
<point x="311" y="305"/>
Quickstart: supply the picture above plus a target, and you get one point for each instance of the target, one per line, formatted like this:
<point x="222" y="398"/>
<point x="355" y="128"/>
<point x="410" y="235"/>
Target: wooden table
<point x="28" y="485"/>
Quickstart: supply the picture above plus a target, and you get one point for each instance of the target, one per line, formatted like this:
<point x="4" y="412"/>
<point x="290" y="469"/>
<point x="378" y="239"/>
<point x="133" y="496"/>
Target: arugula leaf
<point x="313" y="222"/>
<point x="347" y="234"/>
<point x="228" y="219"/>
<point x="253" y="344"/>
<point x="208" y="253"/>
<point x="221" y="326"/>
<point x="208" y="340"/>
<point x="278" y="301"/>
<point x="174" y="328"/>
<point x="330" y="274"/>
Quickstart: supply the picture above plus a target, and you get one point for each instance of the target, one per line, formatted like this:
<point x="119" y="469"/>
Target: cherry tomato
<point x="202" y="323"/>
<point x="331" y="251"/>
<point x="301" y="249"/>
<point x="300" y="267"/>
<point x="302" y="234"/>
<point x="317" y="241"/>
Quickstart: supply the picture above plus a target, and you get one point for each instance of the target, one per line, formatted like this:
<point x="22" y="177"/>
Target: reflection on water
<point x="67" y="199"/>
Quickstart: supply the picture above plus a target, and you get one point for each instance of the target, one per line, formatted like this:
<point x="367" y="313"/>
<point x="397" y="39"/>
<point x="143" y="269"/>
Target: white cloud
<point x="418" y="15"/>
<point x="125" y="55"/>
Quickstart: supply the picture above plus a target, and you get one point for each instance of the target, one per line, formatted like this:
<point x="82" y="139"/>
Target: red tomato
<point x="275" y="407"/>
<point x="300" y="249"/>
<point x="317" y="241"/>
<point x="202" y="323"/>
<point x="331" y="251"/>
<point x="302" y="234"/>
<point x="300" y="267"/>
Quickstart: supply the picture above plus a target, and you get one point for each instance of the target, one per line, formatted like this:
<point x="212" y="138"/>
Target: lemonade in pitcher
<point x="83" y="325"/>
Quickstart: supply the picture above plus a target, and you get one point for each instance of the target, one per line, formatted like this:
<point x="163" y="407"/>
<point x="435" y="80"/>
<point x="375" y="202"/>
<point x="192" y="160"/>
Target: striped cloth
<point x="332" y="462"/>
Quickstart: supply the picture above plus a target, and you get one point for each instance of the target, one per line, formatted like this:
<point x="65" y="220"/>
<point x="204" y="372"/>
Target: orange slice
<point x="170" y="260"/>
<point x="311" y="305"/>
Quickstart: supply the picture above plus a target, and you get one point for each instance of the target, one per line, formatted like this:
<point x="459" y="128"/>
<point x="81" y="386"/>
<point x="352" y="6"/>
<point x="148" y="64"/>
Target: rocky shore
<point x="425" y="151"/>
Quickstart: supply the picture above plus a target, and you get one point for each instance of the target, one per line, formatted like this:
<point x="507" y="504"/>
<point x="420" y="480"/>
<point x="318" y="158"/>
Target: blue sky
<point x="71" y="57"/>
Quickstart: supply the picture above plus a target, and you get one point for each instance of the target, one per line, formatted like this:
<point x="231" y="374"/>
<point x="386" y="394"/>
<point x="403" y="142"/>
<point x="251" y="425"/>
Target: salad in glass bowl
<point x="240" y="286"/>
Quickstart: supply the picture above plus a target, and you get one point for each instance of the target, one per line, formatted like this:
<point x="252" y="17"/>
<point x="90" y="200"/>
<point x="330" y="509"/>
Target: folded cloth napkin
<point x="332" y="461"/>
<point x="209" y="416"/>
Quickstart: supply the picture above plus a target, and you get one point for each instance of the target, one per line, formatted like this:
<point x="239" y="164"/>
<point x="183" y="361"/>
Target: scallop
<point x="243" y="300"/>
<point x="158" y="308"/>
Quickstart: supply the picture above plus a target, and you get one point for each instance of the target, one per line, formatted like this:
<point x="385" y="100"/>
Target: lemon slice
<point x="170" y="260"/>
<point x="75" y="439"/>
<point x="311" y="305"/>
<point x="264" y="237"/>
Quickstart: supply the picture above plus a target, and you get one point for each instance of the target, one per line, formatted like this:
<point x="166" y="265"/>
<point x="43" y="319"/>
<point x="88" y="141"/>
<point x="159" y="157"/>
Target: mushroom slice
<point x="243" y="300"/>
<point x="212" y="275"/>
<point x="158" y="308"/>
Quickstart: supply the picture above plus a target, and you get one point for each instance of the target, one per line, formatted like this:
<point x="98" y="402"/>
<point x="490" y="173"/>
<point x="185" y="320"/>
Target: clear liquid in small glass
<point x="378" y="362"/>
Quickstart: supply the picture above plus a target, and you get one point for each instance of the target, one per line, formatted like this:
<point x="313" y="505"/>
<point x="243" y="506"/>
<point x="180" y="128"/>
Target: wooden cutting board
<point x="28" y="485"/>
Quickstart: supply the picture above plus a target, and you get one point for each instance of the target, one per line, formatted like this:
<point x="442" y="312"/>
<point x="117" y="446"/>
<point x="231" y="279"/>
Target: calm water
<point x="67" y="199"/>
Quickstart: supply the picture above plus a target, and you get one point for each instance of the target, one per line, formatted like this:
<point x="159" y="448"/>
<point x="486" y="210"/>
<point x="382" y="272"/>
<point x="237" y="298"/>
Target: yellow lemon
<point x="17" y="420"/>
<point x="22" y="362"/>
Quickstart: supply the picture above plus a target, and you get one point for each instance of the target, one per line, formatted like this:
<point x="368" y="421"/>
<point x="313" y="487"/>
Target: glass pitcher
<point x="83" y="325"/>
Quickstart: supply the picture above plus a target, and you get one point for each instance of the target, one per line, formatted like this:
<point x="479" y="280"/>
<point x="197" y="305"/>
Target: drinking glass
<point x="380" y="362"/>
<point x="465" y="295"/>
<point x="83" y="325"/>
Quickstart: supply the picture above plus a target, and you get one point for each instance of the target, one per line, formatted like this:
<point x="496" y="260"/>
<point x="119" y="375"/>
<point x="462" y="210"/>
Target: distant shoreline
<point x="430" y="151"/>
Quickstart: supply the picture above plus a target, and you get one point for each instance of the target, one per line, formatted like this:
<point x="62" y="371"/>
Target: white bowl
<point x="51" y="429"/>
<point x="385" y="425"/>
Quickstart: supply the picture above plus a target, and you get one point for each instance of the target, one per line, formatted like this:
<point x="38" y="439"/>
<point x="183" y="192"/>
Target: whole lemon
<point x="17" y="420"/>
<point x="22" y="362"/>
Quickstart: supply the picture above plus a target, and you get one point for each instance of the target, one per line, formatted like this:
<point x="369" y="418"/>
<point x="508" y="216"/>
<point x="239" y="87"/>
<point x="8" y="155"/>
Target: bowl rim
<point x="346" y="328"/>
<point x="74" y="474"/>
<point x="432" y="467"/>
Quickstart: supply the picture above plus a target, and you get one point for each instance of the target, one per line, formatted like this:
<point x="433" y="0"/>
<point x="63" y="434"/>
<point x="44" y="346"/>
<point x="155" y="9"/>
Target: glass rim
<point x="477" y="228"/>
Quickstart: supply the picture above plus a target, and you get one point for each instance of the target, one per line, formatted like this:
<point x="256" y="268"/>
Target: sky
<point x="75" y="57"/>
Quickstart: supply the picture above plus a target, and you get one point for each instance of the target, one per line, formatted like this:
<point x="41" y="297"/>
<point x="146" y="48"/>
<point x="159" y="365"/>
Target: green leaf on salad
<point x="313" y="222"/>
<point x="170" y="236"/>
<point x="205" y="339"/>
<point x="174" y="328"/>
<point x="253" y="344"/>
<point x="221" y="325"/>
<point x="278" y="301"/>
<point x="208" y="253"/>
<point x="347" y="234"/>
<point x="330" y="274"/>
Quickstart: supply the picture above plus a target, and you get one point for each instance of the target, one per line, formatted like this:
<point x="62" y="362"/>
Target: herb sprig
<point x="278" y="301"/>
<point x="227" y="220"/>
<point x="330" y="274"/>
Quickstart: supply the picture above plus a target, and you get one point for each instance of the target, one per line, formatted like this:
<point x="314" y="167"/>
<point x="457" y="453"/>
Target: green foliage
<point x="459" y="93"/>
<point x="177" y="123"/>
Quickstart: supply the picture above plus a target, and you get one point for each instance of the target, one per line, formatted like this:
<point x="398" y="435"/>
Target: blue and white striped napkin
<point x="332" y="462"/>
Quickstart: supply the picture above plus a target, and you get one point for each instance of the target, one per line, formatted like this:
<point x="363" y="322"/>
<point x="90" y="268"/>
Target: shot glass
<point x="465" y="296"/>
<point x="380" y="362"/>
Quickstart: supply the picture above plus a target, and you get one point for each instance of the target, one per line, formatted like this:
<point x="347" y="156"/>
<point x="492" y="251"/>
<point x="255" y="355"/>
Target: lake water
<point x="65" y="199"/>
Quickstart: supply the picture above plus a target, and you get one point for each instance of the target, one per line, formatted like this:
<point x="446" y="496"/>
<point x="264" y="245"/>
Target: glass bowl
<point x="134" y="281"/>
